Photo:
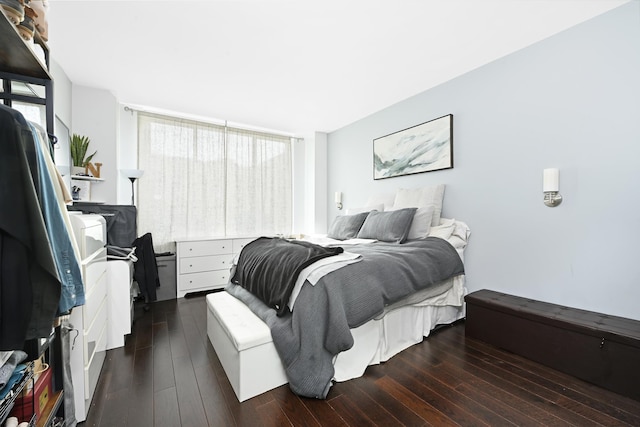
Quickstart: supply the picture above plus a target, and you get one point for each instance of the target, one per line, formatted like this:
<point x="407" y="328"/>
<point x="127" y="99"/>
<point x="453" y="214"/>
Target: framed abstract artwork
<point x="426" y="147"/>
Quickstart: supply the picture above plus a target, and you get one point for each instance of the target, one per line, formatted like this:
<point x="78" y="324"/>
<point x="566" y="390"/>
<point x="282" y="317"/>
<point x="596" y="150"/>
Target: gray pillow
<point x="346" y="226"/>
<point x="391" y="226"/>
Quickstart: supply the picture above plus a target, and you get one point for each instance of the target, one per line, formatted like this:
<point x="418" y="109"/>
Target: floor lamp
<point x="132" y="174"/>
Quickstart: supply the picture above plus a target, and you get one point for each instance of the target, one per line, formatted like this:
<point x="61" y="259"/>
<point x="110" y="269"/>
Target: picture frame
<point x="426" y="147"/>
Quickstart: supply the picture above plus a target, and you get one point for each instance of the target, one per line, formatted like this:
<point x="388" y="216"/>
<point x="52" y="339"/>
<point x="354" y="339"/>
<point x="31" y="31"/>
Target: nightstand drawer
<point x="204" y="247"/>
<point x="205" y="263"/>
<point x="210" y="279"/>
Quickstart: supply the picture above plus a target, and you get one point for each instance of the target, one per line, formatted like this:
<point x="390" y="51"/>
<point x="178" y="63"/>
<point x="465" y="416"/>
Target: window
<point x="203" y="180"/>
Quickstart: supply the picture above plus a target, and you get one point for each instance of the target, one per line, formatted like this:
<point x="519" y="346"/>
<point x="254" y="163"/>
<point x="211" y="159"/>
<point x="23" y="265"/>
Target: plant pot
<point x="77" y="170"/>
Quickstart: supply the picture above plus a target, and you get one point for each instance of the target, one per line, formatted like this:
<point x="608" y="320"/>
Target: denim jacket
<point x="59" y="238"/>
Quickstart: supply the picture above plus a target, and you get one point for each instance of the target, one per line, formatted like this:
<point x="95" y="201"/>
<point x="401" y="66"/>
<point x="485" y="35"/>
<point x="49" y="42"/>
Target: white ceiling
<point x="294" y="66"/>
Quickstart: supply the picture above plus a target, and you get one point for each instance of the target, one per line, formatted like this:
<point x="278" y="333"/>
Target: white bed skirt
<point x="379" y="340"/>
<point x="253" y="366"/>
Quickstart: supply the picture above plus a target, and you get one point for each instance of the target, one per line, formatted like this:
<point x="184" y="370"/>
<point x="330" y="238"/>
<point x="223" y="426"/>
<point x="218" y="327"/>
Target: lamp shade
<point x="132" y="173"/>
<point x="551" y="179"/>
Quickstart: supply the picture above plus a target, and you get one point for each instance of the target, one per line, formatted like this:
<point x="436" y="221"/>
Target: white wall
<point x="127" y="153"/>
<point x="61" y="93"/>
<point x="571" y="101"/>
<point x="315" y="204"/>
<point x="95" y="114"/>
<point x="62" y="111"/>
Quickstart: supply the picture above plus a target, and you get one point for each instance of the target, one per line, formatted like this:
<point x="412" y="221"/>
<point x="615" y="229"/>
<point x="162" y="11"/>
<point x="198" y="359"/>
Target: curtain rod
<point x="131" y="109"/>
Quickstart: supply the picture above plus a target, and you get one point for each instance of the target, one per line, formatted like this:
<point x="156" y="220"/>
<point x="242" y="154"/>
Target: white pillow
<point x="352" y="211"/>
<point x="421" y="223"/>
<point x="444" y="230"/>
<point x="421" y="198"/>
<point x="386" y="200"/>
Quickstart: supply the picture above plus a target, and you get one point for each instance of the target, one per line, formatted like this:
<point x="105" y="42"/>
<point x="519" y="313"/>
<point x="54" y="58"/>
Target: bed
<point x="337" y="315"/>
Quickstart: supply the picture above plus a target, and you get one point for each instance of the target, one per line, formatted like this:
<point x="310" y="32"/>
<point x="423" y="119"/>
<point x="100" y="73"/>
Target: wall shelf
<point x="86" y="178"/>
<point x="19" y="58"/>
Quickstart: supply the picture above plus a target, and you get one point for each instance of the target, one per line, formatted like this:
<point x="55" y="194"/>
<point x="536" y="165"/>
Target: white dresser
<point x="204" y="264"/>
<point x="88" y="349"/>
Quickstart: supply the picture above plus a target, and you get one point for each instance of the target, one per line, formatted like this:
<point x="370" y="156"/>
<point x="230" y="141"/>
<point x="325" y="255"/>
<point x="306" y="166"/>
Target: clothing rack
<point x="19" y="65"/>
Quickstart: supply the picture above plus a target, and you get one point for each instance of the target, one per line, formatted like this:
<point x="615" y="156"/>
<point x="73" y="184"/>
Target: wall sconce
<point x="338" y="199"/>
<point x="550" y="187"/>
<point x="132" y="174"/>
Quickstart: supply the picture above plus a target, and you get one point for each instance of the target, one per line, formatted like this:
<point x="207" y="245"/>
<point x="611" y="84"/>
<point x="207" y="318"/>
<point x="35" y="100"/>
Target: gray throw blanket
<point x="268" y="268"/>
<point x="318" y="328"/>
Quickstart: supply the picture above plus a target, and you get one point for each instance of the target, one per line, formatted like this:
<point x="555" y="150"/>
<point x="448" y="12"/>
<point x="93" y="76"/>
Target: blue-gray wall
<point x="571" y="101"/>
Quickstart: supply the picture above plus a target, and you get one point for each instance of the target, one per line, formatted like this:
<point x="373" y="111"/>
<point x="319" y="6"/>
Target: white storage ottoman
<point x="244" y="346"/>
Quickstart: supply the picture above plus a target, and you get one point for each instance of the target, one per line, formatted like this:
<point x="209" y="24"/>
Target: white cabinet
<point x="89" y="344"/>
<point x="204" y="264"/>
<point x="120" y="294"/>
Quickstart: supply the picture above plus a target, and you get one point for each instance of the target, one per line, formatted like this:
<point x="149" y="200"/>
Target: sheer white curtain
<point x="203" y="180"/>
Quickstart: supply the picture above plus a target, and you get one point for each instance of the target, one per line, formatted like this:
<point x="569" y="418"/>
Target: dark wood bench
<point x="601" y="349"/>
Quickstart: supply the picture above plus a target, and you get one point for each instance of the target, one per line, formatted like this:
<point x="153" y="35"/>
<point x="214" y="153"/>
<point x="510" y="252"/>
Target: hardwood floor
<point x="169" y="375"/>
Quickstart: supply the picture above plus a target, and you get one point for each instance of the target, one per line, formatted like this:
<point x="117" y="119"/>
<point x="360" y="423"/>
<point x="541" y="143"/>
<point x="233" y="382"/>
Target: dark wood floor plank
<point x="122" y="373"/>
<point x="378" y="414"/>
<point x="140" y="410"/>
<point x="447" y="378"/>
<point x="499" y="401"/>
<point x="563" y="397"/>
<point x="427" y="412"/>
<point x="96" y="408"/>
<point x="189" y="398"/>
<point x="163" y="367"/>
<point x="272" y="415"/>
<point x="586" y="395"/>
<point x="603" y="401"/>
<point x="437" y="367"/>
<point x="177" y="339"/>
<point x="115" y="408"/>
<point x="215" y="407"/>
<point x="436" y="396"/>
<point x="516" y="409"/>
<point x="165" y="409"/>
<point x="323" y="412"/>
<point x="350" y="412"/>
<point x="196" y="344"/>
<point x="142" y="328"/>
<point x="292" y="405"/>
<point x="479" y="377"/>
<point x="403" y="414"/>
<point x="544" y="399"/>
<point x="244" y="413"/>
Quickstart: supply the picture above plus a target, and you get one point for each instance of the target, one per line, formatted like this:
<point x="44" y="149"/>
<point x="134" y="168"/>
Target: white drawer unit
<point x="205" y="264"/>
<point x="89" y="340"/>
<point x="120" y="294"/>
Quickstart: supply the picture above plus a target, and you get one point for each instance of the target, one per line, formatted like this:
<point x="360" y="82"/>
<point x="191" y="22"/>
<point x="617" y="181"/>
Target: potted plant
<point x="79" y="145"/>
